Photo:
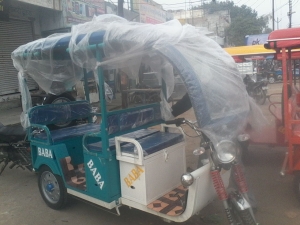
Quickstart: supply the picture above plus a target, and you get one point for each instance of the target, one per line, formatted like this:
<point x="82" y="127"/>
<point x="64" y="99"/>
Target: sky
<point x="263" y="7"/>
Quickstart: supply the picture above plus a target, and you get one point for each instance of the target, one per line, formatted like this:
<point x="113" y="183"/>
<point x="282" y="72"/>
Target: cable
<point x="254" y="4"/>
<point x="180" y="3"/>
<point x="259" y="4"/>
<point x="295" y="3"/>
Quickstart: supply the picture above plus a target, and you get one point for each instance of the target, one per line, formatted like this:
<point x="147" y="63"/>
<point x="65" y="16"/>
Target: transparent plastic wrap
<point x="215" y="87"/>
<point x="216" y="90"/>
<point x="48" y="63"/>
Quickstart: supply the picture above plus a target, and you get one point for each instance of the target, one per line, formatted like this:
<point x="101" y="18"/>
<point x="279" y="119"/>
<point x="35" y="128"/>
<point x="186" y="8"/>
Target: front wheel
<point x="52" y="188"/>
<point x="246" y="217"/>
<point x="243" y="217"/>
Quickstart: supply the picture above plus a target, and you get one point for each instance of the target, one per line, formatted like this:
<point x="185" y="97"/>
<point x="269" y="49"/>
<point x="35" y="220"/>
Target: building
<point x="215" y="22"/>
<point x="22" y="21"/>
<point x="150" y="11"/>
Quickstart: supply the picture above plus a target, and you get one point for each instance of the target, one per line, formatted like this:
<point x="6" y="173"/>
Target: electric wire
<point x="179" y="3"/>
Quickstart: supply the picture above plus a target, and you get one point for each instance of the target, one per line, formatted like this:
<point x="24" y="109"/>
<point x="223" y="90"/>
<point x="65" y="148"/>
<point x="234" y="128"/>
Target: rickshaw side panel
<point x="47" y="155"/>
<point x="102" y="177"/>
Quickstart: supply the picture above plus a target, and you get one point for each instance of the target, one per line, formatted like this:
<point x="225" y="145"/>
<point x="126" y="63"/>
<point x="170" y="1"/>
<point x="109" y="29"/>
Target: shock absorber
<point x="240" y="178"/>
<point x="221" y="192"/>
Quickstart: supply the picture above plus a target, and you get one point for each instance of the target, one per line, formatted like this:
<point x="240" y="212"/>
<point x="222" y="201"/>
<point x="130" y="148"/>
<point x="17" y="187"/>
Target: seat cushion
<point x="135" y="135"/>
<point x="59" y="113"/>
<point x="70" y="132"/>
<point x="154" y="142"/>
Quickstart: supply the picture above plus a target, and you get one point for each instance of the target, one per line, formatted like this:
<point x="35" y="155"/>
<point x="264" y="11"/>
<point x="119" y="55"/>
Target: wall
<point x="51" y="4"/>
<point x="51" y="19"/>
<point x="23" y="11"/>
<point x="128" y="14"/>
<point x="215" y="22"/>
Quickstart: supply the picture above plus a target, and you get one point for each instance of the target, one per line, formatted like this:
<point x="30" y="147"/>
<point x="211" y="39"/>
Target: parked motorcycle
<point x="14" y="148"/>
<point x="257" y="90"/>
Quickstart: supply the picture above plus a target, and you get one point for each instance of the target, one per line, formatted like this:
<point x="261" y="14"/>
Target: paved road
<point x="20" y="201"/>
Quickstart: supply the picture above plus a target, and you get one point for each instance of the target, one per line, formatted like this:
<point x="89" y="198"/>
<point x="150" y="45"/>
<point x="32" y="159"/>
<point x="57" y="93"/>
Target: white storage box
<point x="144" y="180"/>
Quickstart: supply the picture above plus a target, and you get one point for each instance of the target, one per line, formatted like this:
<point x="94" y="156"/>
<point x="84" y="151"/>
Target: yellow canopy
<point x="249" y="50"/>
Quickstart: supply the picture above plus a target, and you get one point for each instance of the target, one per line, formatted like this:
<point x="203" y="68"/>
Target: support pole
<point x="273" y="16"/>
<point x="120" y="8"/>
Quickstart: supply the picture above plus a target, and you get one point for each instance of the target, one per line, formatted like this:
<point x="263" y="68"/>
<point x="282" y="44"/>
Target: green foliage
<point x="244" y="21"/>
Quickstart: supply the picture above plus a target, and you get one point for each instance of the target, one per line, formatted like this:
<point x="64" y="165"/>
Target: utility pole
<point x="192" y="13"/>
<point x="273" y="16"/>
<point x="290" y="13"/>
<point x="277" y="21"/>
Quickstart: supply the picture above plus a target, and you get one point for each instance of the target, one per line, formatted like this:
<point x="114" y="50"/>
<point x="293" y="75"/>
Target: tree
<point x="244" y="21"/>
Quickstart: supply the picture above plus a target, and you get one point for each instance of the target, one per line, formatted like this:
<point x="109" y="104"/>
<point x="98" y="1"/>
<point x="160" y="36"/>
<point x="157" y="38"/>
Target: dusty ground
<point x="20" y="201"/>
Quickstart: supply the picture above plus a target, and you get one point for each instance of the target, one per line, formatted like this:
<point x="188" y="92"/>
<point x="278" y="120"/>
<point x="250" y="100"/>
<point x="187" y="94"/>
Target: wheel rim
<point x="271" y="80"/>
<point x="50" y="187"/>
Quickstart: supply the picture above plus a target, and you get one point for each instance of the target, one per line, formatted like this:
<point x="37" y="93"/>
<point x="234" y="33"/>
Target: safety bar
<point x="274" y="105"/>
<point x="41" y="127"/>
<point x="84" y="141"/>
<point x="133" y="160"/>
<point x="269" y="97"/>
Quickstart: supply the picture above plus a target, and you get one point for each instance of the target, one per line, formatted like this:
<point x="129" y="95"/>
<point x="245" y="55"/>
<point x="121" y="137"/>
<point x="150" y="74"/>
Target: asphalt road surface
<point x="21" y="203"/>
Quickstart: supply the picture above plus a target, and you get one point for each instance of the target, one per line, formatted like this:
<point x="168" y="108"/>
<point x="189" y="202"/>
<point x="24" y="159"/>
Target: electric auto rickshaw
<point x="124" y="159"/>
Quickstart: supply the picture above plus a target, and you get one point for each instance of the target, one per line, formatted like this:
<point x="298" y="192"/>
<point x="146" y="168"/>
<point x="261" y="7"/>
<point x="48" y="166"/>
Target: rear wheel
<point x="52" y="188"/>
<point x="55" y="99"/>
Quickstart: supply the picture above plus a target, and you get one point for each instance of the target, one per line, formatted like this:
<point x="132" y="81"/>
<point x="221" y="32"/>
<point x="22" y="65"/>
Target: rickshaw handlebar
<point x="177" y="122"/>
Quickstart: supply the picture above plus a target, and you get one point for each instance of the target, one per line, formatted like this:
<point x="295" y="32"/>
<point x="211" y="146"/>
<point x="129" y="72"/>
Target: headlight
<point x="187" y="179"/>
<point x="199" y="151"/>
<point x="226" y="151"/>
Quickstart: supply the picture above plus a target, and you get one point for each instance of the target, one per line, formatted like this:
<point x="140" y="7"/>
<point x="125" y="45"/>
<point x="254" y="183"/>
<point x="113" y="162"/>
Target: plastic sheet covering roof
<point x="215" y="87"/>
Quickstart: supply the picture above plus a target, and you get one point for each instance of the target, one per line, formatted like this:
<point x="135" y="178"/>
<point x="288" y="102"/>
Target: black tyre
<point x="296" y="184"/>
<point x="52" y="188"/>
<point x="137" y="99"/>
<point x="259" y="96"/>
<point x="247" y="217"/>
<point x="242" y="217"/>
<point x="154" y="98"/>
<point x="55" y="99"/>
